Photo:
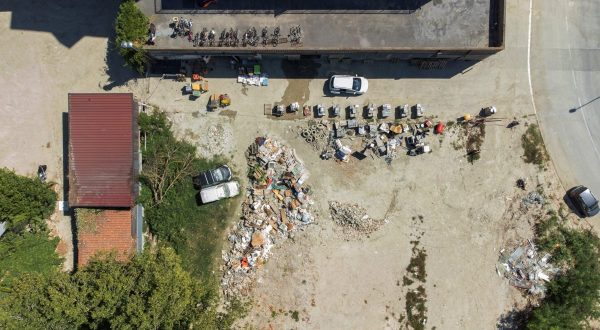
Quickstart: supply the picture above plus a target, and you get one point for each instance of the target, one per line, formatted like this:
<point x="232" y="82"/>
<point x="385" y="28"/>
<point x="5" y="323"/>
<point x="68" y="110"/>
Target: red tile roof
<point x="101" y="137"/>
<point x="109" y="230"/>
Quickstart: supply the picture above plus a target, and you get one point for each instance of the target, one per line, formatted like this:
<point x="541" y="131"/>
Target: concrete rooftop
<point x="458" y="24"/>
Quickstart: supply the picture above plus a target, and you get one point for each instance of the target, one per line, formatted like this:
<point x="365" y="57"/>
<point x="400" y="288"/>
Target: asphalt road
<point x="565" y="75"/>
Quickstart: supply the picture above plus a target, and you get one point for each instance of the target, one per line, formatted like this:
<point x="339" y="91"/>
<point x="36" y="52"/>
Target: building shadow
<point x="68" y="20"/>
<point x="65" y="156"/>
<point x="278" y="7"/>
<point x="281" y="68"/>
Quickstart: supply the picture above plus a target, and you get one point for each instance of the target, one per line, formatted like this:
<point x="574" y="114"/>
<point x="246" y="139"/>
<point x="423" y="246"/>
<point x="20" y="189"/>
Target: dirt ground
<point x="461" y="213"/>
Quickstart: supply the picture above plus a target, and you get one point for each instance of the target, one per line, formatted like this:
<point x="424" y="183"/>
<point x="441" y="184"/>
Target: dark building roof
<point x="101" y="138"/>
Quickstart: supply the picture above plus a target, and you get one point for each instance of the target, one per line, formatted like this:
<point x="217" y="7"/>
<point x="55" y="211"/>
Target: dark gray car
<point x="212" y="177"/>
<point x="585" y="202"/>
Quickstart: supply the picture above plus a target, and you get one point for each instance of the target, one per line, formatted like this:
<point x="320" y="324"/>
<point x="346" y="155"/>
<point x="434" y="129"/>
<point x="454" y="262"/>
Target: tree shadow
<point x="118" y="74"/>
<point x="514" y="320"/>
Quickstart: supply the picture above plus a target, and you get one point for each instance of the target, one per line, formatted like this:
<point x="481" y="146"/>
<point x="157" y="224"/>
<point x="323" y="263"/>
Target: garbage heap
<point x="277" y="204"/>
<point x="385" y="140"/>
<point x="533" y="198"/>
<point x="353" y="219"/>
<point x="526" y="269"/>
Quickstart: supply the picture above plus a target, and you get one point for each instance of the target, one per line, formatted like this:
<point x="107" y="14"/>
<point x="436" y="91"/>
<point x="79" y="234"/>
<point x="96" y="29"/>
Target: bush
<point x="132" y="25"/>
<point x="573" y="297"/>
<point x="26" y="253"/>
<point x="25" y="203"/>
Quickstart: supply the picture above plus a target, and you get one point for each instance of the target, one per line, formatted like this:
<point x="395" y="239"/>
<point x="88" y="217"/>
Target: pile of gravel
<point x="353" y="219"/>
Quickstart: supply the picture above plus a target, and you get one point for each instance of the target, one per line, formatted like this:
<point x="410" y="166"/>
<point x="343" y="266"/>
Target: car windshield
<point x="226" y="190"/>
<point x="218" y="173"/>
<point x="356" y="84"/>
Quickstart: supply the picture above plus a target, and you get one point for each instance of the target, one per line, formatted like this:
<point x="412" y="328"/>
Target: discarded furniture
<point x="370" y="110"/>
<point x="320" y="110"/>
<point x="336" y="110"/>
<point x="386" y="110"/>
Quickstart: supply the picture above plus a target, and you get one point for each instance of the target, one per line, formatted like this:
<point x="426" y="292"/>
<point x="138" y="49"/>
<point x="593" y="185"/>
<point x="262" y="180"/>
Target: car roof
<point x="588" y="198"/>
<point x="234" y="188"/>
<point x="342" y="82"/>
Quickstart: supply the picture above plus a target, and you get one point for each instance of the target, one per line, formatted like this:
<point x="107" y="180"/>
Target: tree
<point x="167" y="160"/>
<point x="26" y="253"/>
<point x="152" y="291"/>
<point x="574" y="296"/>
<point x="25" y="203"/>
<point x="132" y="25"/>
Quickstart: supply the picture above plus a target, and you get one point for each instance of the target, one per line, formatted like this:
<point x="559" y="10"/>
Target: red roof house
<point x="102" y="140"/>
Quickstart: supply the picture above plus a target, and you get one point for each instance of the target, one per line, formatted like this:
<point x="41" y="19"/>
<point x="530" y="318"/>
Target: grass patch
<point x="475" y="137"/>
<point x="295" y="315"/>
<point x="416" y="266"/>
<point x="87" y="220"/>
<point x="173" y="214"/>
<point x="415" y="308"/>
<point x="406" y="281"/>
<point x="534" y="150"/>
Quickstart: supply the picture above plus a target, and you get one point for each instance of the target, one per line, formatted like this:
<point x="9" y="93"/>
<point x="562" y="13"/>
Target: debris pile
<point x="276" y="205"/>
<point x="533" y="198"/>
<point x="317" y="135"/>
<point x="527" y="269"/>
<point x="384" y="140"/>
<point x="353" y="219"/>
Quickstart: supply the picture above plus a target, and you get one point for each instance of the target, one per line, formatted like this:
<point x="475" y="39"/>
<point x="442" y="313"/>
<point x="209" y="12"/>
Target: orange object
<point x="245" y="263"/>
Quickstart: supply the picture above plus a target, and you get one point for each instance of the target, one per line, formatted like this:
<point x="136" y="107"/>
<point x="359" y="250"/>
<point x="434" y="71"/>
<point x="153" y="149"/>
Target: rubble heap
<point x="353" y="219"/>
<point x="277" y="204"/>
<point x="526" y="269"/>
<point x="533" y="198"/>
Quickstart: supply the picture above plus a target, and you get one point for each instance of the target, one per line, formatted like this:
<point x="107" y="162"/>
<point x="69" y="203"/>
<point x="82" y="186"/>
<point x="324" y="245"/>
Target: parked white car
<point x="348" y="84"/>
<point x="220" y="191"/>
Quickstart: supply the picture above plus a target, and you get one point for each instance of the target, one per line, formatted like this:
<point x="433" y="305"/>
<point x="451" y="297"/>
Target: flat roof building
<point x="356" y="29"/>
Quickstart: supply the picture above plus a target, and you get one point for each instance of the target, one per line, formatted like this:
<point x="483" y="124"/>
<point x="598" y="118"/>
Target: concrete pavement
<point x="565" y="61"/>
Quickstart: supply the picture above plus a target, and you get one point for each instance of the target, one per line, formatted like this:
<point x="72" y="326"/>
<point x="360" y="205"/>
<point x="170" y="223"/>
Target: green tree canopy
<point x="574" y="296"/>
<point x="152" y="291"/>
<point x="27" y="252"/>
<point x="132" y="25"/>
<point x="25" y="203"/>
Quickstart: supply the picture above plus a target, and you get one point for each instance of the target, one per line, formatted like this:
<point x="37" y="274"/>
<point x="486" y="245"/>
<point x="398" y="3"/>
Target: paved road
<point x="565" y="69"/>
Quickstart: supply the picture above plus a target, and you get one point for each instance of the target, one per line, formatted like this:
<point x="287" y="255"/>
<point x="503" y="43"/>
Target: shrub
<point x="574" y="296"/>
<point x="25" y="203"/>
<point x="27" y="253"/>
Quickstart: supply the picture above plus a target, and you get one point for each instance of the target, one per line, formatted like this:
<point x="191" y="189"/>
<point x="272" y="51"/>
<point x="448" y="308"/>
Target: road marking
<point x="529" y="58"/>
